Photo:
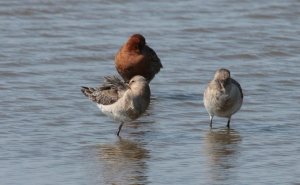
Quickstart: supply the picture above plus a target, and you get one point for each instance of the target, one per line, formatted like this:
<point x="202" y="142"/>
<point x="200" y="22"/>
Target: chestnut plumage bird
<point x="135" y="57"/>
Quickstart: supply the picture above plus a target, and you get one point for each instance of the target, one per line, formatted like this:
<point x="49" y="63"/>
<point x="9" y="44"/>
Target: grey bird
<point x="121" y="101"/>
<point x="223" y="96"/>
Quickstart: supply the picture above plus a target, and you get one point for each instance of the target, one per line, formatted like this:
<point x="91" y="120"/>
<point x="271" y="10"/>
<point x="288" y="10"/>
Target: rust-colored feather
<point x="137" y="58"/>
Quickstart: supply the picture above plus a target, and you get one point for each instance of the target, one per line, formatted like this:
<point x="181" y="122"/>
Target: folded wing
<point x="112" y="89"/>
<point x="152" y="56"/>
<point x="239" y="86"/>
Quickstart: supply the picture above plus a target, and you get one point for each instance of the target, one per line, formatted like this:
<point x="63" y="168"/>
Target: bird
<point x="135" y="57"/>
<point x="223" y="96"/>
<point x="124" y="102"/>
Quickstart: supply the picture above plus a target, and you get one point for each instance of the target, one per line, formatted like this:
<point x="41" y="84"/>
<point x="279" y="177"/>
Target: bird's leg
<point x="210" y="118"/>
<point x="228" y="122"/>
<point x="120" y="127"/>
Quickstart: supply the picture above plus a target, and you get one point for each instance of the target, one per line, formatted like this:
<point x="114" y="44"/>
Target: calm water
<point x="52" y="134"/>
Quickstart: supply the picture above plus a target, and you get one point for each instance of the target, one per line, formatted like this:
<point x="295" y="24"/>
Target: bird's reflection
<point x="221" y="147"/>
<point x="124" y="162"/>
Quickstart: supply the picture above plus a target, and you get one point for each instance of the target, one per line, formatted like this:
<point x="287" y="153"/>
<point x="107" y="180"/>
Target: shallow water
<point x="52" y="134"/>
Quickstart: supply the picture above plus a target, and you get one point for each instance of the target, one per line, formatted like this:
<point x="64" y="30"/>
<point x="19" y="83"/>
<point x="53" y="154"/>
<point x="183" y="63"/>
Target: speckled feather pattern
<point x="120" y="101"/>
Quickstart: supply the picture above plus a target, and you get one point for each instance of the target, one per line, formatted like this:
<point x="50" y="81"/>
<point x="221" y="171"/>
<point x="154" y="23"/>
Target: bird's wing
<point x="239" y="86"/>
<point x="112" y="89"/>
<point x="153" y="56"/>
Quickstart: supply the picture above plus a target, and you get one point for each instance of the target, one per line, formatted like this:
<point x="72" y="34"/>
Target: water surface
<point x="52" y="134"/>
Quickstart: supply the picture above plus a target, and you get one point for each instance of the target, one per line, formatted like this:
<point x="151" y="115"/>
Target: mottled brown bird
<point x="135" y="57"/>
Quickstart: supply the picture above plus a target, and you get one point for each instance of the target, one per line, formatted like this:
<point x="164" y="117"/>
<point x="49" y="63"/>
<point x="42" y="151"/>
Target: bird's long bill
<point x="127" y="85"/>
<point x="222" y="85"/>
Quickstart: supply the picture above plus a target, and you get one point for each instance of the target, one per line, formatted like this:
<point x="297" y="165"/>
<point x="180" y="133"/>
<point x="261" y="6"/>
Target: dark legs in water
<point x="120" y="127"/>
<point x="228" y="122"/>
<point x="210" y="118"/>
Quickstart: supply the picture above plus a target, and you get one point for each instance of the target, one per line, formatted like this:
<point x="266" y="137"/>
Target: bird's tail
<point x="113" y="82"/>
<point x="88" y="92"/>
<point x="108" y="93"/>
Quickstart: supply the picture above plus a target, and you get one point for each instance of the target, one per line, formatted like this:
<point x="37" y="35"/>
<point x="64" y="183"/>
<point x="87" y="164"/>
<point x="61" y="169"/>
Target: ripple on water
<point x="49" y="130"/>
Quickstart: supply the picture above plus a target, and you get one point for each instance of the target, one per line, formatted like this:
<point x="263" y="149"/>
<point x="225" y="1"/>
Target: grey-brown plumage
<point x="112" y="89"/>
<point x="223" y="96"/>
<point x="119" y="100"/>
